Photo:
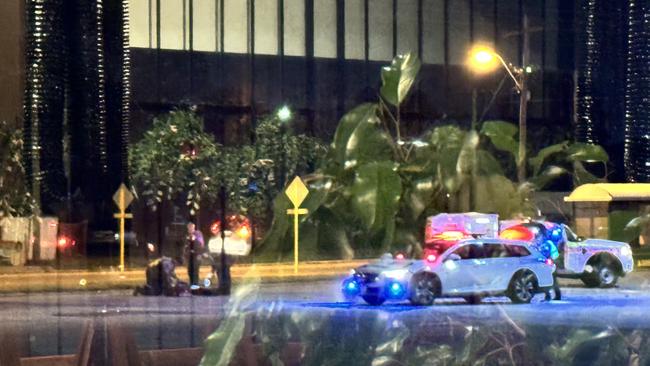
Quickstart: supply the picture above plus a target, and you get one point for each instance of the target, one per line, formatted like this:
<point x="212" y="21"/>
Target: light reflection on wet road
<point x="52" y="322"/>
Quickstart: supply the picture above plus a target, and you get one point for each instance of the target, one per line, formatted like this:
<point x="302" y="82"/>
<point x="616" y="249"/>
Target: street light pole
<point x="523" y="104"/>
<point x="484" y="59"/>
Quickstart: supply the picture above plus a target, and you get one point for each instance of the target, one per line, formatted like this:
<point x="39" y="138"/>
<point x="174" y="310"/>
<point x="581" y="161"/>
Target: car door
<point x="575" y="252"/>
<point x="499" y="266"/>
<point x="463" y="275"/>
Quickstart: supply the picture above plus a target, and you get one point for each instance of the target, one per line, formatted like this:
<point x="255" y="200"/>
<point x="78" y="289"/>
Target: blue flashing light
<point x="549" y="250"/>
<point x="351" y="287"/>
<point x="396" y="290"/>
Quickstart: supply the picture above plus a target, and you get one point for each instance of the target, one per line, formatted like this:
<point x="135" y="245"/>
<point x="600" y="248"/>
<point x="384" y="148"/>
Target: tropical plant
<point x="552" y="161"/>
<point x="175" y="159"/>
<point x="376" y="186"/>
<point x="15" y="200"/>
<point x="255" y="175"/>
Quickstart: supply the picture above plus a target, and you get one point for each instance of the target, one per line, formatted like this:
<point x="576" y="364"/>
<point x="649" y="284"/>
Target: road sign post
<point x="122" y="198"/>
<point x="297" y="192"/>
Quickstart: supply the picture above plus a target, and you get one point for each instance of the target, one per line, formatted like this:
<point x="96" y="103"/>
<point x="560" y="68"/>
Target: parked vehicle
<point x="470" y="269"/>
<point x="597" y="262"/>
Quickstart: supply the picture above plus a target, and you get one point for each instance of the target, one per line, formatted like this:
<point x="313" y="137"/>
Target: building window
<point x="325" y="28"/>
<point x="380" y="24"/>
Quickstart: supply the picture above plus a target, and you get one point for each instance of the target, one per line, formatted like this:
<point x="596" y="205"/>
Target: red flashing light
<point x="399" y="256"/>
<point x="431" y="257"/>
<point x="215" y="228"/>
<point x="548" y="262"/>
<point x="65" y="242"/>
<point x="239" y="224"/>
<point x="517" y="232"/>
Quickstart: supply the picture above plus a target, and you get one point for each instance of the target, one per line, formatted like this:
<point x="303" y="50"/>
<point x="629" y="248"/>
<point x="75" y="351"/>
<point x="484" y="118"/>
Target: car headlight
<point x="397" y="274"/>
<point x="626" y="251"/>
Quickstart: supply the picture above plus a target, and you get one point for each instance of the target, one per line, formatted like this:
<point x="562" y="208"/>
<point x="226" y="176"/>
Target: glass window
<point x="459" y="41"/>
<point x="139" y="23"/>
<point x="407" y="26"/>
<point x="325" y="28"/>
<point x="380" y="28"/>
<point x="495" y="250"/>
<point x="433" y="22"/>
<point x="551" y="34"/>
<point x="266" y="27"/>
<point x="204" y="32"/>
<point x="294" y="27"/>
<point x="171" y="24"/>
<point x="470" y="251"/>
<point x="235" y="26"/>
<point x="354" y="29"/>
<point x="516" y="250"/>
<point x="484" y="21"/>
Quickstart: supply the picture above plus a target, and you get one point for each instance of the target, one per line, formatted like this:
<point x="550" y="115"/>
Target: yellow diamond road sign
<point x="297" y="191"/>
<point x="123" y="197"/>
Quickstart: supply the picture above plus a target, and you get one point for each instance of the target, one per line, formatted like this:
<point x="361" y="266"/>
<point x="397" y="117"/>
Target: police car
<point x="471" y="269"/>
<point x="597" y="262"/>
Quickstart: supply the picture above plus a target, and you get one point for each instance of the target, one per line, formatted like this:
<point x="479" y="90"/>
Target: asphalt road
<point x="51" y="323"/>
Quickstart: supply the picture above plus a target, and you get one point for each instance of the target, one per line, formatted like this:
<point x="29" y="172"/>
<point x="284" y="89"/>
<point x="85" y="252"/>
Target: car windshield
<point x="571" y="236"/>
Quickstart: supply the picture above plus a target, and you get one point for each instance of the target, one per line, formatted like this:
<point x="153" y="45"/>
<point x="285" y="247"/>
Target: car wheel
<point x="522" y="287"/>
<point x="424" y="288"/>
<point x="473" y="299"/>
<point x="603" y="275"/>
<point x="374" y="300"/>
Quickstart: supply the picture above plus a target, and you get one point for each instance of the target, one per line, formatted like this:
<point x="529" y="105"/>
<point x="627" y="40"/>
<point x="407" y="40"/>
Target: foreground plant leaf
<point x="398" y="78"/>
<point x="375" y="194"/>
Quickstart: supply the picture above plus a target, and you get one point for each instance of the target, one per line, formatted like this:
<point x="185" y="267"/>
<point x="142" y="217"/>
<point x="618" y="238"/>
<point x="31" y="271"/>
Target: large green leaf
<point x="582" y="176"/>
<point x="543" y="154"/>
<point x="449" y="136"/>
<point x="547" y="175"/>
<point x="497" y="193"/>
<point x="487" y="163"/>
<point x="360" y="138"/>
<point x="375" y="194"/>
<point x="418" y="195"/>
<point x="368" y="143"/>
<point x="348" y="123"/>
<point x="332" y="237"/>
<point x="447" y="175"/>
<point x="398" y="77"/>
<point x="503" y="136"/>
<point x="587" y="152"/>
<point x="467" y="154"/>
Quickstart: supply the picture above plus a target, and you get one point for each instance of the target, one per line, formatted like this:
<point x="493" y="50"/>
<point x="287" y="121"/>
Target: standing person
<point x="194" y="249"/>
<point x="550" y="250"/>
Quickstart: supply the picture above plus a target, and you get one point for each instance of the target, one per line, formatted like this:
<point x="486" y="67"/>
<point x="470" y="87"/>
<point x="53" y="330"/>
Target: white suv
<point x="470" y="269"/>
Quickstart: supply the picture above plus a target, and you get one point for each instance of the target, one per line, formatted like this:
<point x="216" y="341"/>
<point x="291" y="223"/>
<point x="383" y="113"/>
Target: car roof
<point x="494" y="241"/>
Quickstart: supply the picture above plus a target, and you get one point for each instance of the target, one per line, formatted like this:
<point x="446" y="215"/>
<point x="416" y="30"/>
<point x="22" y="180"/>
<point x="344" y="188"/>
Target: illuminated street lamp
<point x="284" y="114"/>
<point x="483" y="59"/>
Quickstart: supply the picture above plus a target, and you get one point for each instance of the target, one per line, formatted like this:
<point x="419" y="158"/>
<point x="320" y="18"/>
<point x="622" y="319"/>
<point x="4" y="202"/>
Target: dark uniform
<point x="194" y="251"/>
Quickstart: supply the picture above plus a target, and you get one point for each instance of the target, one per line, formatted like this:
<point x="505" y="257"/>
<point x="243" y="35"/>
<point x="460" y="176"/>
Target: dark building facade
<point x="98" y="71"/>
<point x="236" y="60"/>
<point x="76" y="104"/>
<point x="613" y="82"/>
